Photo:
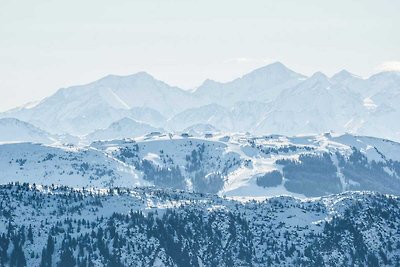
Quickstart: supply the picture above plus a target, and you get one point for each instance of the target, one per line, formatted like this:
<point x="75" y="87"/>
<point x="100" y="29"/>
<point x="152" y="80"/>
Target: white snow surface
<point x="98" y="164"/>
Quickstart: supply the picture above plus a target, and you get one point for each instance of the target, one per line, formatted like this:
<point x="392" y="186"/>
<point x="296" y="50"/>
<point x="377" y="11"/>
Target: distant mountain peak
<point x="276" y="68"/>
<point x="343" y="75"/>
<point x="318" y="76"/>
<point x="126" y="122"/>
<point x="209" y="83"/>
<point x="386" y="75"/>
<point x="142" y="75"/>
<point x="122" y="128"/>
<point x="276" y="65"/>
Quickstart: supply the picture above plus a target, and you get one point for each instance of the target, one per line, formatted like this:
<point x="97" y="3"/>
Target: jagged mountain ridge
<point x="271" y="99"/>
<point x="235" y="165"/>
<point x="153" y="227"/>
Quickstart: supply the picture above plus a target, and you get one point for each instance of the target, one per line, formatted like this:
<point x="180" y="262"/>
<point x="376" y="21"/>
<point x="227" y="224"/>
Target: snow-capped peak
<point x="317" y="78"/>
<point x="142" y="75"/>
<point x="209" y="82"/>
<point x="273" y="71"/>
<point x="343" y="75"/>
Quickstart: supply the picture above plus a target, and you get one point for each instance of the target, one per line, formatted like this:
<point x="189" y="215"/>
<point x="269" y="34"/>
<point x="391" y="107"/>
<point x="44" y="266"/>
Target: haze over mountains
<point x="129" y="171"/>
<point x="229" y="138"/>
<point x="271" y="99"/>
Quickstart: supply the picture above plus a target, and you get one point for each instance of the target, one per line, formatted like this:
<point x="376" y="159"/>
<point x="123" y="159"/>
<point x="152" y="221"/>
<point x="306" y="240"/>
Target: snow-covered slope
<point x="66" y="165"/>
<point x="123" y="128"/>
<point x="212" y="114"/>
<point x="233" y="165"/>
<point x="153" y="227"/>
<point x="316" y="105"/>
<point x="147" y="115"/>
<point x="383" y="102"/>
<point x="81" y="109"/>
<point x="14" y="130"/>
<point x="241" y="117"/>
<point x="263" y="84"/>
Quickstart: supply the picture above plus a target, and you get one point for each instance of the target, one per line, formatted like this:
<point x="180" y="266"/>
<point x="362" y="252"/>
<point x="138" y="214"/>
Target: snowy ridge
<point x="236" y="165"/>
<point x="14" y="130"/>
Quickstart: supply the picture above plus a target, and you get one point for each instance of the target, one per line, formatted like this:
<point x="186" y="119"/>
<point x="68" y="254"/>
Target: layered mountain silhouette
<point x="271" y="99"/>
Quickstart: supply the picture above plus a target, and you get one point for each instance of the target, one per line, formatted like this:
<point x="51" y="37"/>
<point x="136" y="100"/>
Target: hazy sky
<point x="46" y="44"/>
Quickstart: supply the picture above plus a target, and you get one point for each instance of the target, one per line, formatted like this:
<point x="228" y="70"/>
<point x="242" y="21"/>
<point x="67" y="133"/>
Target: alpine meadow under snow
<point x="271" y="169"/>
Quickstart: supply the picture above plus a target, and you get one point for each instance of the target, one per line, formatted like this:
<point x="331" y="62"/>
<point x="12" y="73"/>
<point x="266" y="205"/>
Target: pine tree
<point x="67" y="258"/>
<point x="4" y="243"/>
<point x="49" y="251"/>
<point x="17" y="256"/>
<point x="30" y="234"/>
<point x="43" y="261"/>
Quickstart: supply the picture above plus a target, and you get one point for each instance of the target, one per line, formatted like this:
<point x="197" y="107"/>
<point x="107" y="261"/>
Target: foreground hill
<point x="153" y="227"/>
<point x="231" y="165"/>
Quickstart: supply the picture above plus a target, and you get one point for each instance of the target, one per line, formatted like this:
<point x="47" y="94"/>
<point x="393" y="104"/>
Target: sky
<point x="47" y="44"/>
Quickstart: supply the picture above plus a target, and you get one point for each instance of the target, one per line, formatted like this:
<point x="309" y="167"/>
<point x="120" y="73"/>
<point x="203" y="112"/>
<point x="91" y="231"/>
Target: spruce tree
<point x="67" y="258"/>
<point x="30" y="234"/>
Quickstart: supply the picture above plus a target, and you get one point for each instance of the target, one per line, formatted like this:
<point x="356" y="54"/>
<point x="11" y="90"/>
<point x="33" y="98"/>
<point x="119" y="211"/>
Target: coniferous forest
<point x="61" y="226"/>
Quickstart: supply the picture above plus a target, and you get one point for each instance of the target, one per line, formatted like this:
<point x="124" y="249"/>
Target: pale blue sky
<point x="46" y="44"/>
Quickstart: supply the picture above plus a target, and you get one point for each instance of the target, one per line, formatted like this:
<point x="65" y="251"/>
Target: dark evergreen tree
<point x="67" y="258"/>
<point x="17" y="258"/>
<point x="30" y="234"/>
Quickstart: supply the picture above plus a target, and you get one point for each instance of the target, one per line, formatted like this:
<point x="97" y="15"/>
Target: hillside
<point x="231" y="165"/>
<point x="14" y="130"/>
<point x="152" y="227"/>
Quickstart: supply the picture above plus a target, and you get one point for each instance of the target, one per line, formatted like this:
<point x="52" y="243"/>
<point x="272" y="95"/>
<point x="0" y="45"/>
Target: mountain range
<point x="272" y="99"/>
<point x="270" y="169"/>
